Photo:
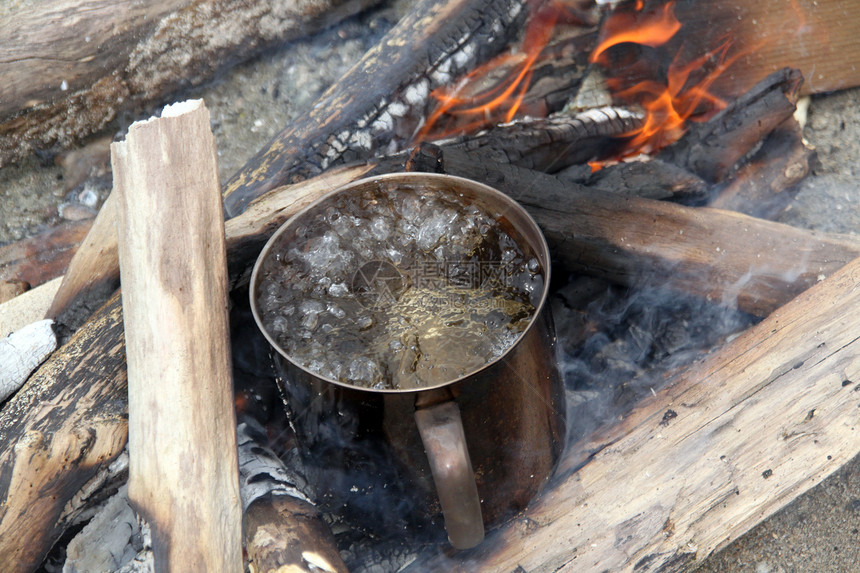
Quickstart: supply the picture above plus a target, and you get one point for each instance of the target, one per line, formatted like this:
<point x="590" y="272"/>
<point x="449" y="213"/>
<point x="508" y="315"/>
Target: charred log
<point x="367" y="109"/>
<point x="768" y="182"/>
<point x="714" y="149"/>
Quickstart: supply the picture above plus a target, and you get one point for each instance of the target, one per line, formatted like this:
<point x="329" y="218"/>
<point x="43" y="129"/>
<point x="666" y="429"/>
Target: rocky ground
<point x="818" y="532"/>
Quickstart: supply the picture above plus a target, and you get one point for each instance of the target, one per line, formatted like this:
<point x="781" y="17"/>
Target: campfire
<point x="707" y="351"/>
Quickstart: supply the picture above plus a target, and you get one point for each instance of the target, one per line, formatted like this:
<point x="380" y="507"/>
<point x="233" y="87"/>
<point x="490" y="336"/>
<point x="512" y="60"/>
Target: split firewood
<point x="21" y="352"/>
<point x="282" y="527"/>
<point x="713" y="149"/>
<point x="93" y="272"/>
<point x="727" y="443"/>
<point x="63" y="82"/>
<point x="767" y="183"/>
<point x="67" y="423"/>
<point x="38" y="259"/>
<point x="771" y="35"/>
<point x="173" y="268"/>
<point x="367" y="108"/>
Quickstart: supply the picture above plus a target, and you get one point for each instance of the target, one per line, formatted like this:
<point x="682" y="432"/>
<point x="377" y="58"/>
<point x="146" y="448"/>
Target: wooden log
<point x="713" y="149"/>
<point x="68" y="67"/>
<point x="93" y="272"/>
<point x="767" y="183"/>
<point x="729" y="442"/>
<point x="368" y="107"/>
<point x="173" y="267"/>
<point x="68" y="422"/>
<point x="814" y="36"/>
<point x="21" y="352"/>
<point x="282" y="527"/>
<point x="38" y="259"/>
<point x="723" y="256"/>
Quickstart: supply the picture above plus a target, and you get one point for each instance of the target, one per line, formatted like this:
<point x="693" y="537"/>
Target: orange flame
<point x="649" y="29"/>
<point x="682" y="96"/>
<point x="465" y="112"/>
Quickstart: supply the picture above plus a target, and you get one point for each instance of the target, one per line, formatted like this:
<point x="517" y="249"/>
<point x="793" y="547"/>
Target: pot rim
<point x="531" y="234"/>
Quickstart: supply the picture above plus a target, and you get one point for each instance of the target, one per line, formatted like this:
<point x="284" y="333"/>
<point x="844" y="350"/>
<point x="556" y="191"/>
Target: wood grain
<point x="183" y="468"/>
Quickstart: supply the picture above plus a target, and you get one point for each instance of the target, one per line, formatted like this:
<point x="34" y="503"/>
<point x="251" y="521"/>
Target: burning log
<point x="728" y="442"/>
<point x="767" y="183"/>
<point x="178" y="347"/>
<point x="713" y="150"/>
<point x="108" y="57"/>
<point x="359" y="114"/>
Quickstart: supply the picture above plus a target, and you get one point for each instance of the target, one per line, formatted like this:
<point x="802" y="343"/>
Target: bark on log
<point x="729" y="442"/>
<point x="68" y="67"/>
<point x="367" y="109"/>
<point x="174" y="274"/>
<point x="67" y="423"/>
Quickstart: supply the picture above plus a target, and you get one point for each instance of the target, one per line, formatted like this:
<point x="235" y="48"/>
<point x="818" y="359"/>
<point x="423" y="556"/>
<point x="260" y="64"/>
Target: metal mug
<point x="485" y="442"/>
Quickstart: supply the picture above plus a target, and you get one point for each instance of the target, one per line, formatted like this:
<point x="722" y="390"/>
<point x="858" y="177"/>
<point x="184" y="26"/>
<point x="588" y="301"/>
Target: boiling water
<point x="396" y="289"/>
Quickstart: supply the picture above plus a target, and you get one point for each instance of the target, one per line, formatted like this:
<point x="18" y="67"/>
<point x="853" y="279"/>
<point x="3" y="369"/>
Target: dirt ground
<point x="820" y="531"/>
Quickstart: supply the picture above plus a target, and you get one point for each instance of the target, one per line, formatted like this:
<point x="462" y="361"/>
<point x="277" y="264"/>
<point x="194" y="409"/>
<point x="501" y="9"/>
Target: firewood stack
<point x="733" y="434"/>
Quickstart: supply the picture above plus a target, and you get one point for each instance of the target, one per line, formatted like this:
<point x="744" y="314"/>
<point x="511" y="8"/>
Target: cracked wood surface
<point x="730" y="441"/>
<point x="69" y="67"/>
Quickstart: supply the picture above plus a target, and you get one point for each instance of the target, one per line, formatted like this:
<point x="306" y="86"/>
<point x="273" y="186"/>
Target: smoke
<point x="617" y="344"/>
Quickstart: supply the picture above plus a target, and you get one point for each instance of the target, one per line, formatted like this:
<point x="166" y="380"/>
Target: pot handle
<point x="441" y="431"/>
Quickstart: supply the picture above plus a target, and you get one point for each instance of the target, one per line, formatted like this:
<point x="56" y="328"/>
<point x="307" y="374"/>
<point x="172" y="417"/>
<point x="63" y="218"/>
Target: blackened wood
<point x="651" y="179"/>
<point x="768" y="182"/>
<point x="69" y="67"/>
<point x="553" y="143"/>
<point x="713" y="149"/>
<point x="368" y="107"/>
<point x="67" y="422"/>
